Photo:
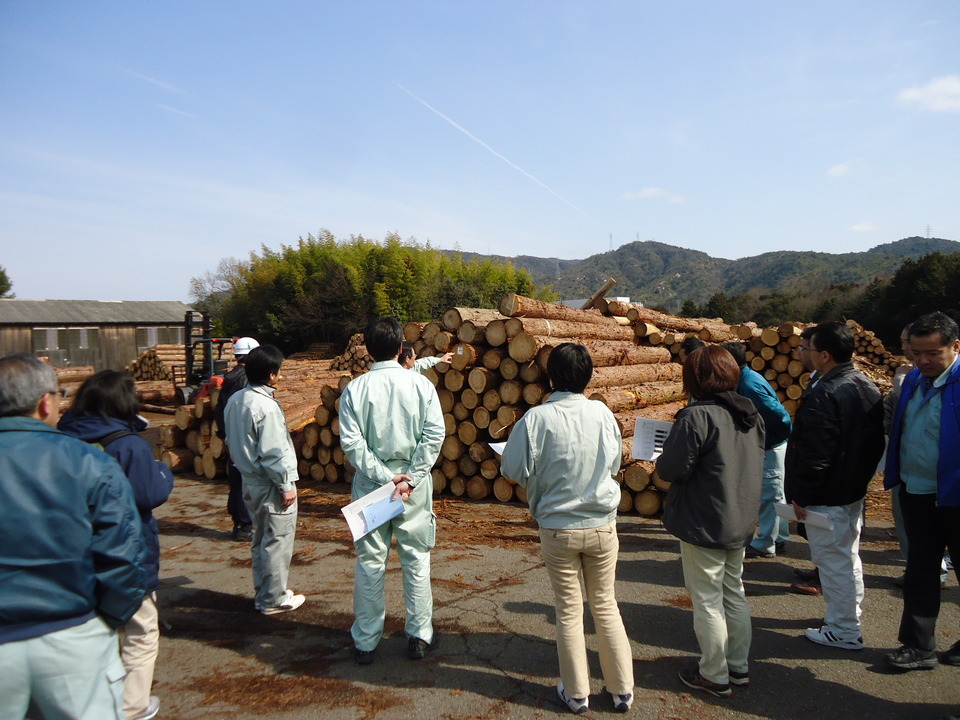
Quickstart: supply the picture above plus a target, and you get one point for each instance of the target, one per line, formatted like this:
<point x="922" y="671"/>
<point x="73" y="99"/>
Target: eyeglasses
<point x="59" y="392"/>
<point x="805" y="347"/>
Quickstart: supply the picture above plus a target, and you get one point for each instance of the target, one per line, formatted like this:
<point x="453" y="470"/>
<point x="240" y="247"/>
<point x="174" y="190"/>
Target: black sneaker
<point x="951" y="656"/>
<point x="417" y="649"/>
<point x="908" y="658"/>
<point x="740" y="679"/>
<point x="751" y="553"/>
<point x="691" y="677"/>
<point x="362" y="657"/>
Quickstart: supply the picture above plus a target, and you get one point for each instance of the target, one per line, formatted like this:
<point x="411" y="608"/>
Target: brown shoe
<point x="806" y="589"/>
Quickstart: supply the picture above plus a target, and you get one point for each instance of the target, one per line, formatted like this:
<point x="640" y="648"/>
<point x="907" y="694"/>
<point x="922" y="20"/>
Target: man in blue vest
<point x="923" y="464"/>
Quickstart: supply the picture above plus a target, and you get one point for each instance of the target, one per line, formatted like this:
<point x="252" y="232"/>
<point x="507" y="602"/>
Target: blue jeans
<point x="773" y="528"/>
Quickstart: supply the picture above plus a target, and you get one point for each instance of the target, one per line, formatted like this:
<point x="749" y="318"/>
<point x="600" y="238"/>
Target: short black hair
<point x="834" y="338"/>
<point x="738" y="351"/>
<point x="935" y="322"/>
<point x="691" y="343"/>
<point x="262" y="362"/>
<point x="383" y="338"/>
<point x="406" y="352"/>
<point x="569" y="368"/>
<point x="108" y="394"/>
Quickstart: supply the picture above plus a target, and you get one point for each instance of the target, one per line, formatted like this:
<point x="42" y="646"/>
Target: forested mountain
<point x="659" y="274"/>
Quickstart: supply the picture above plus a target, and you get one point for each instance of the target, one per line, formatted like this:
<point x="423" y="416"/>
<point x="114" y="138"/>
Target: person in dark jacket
<point x="105" y="412"/>
<point x="832" y="454"/>
<point x="233" y="382"/>
<point x="71" y="558"/>
<point x="713" y="457"/>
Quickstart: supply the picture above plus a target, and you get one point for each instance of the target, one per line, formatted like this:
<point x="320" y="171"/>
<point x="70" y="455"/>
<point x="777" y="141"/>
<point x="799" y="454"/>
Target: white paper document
<point x="648" y="438"/>
<point x="372" y="510"/>
<point x="815" y="519"/>
<point x="497" y="447"/>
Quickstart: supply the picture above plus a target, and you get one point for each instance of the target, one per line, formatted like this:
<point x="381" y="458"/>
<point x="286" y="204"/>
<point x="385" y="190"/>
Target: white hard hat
<point x="244" y="345"/>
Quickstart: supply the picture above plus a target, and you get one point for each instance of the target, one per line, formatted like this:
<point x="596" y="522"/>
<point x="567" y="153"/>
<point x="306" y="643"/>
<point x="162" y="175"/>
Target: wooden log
<point x="467" y="466"/>
<point x="452" y="448"/>
<point x="449" y="468"/>
<point x="449" y="424"/>
<point x="490" y="468"/>
<point x="636" y="477"/>
<point x="171" y="436"/>
<point x="509" y="369"/>
<point x="531" y="372"/>
<point x="452" y="318"/>
<point x="469" y="398"/>
<point x="659" y="483"/>
<point x="496" y="334"/>
<point x="481" y="417"/>
<point x="507" y="415"/>
<point x="480" y="451"/>
<point x="439" y="481"/>
<point x="472" y="333"/>
<point x="647" y="503"/>
<point x="458" y="486"/>
<point x="533" y="393"/>
<point x="652" y="393"/>
<point x="179" y="460"/>
<point x="629" y="375"/>
<point x="626" y="501"/>
<point x="513" y="305"/>
<point x="493" y="357"/>
<point x="503" y="489"/>
<point x="479" y="487"/>
<point x="412" y="331"/>
<point x="213" y="467"/>
<point x="184" y="417"/>
<point x="510" y="392"/>
<point x="454" y="380"/>
<point x="465" y="355"/>
<point x="447" y="399"/>
<point x="467" y="432"/>
<point x="521" y="493"/>
<point x="492" y="400"/>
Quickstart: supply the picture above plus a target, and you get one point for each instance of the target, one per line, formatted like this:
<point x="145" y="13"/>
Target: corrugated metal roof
<point x="91" y="312"/>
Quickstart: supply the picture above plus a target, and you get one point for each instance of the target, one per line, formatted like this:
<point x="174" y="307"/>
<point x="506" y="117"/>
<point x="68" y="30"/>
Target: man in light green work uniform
<point x="391" y="430"/>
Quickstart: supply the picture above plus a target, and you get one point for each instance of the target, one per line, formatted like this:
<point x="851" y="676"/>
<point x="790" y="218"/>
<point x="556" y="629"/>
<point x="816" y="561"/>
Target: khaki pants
<point x="594" y="551"/>
<point x="274" y="530"/>
<point x="139" y="645"/>
<point x="72" y="674"/>
<point x="721" y="616"/>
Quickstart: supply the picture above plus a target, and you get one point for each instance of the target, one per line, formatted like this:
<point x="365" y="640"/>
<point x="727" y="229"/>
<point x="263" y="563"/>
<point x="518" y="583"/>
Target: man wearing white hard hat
<point x="234" y="381"/>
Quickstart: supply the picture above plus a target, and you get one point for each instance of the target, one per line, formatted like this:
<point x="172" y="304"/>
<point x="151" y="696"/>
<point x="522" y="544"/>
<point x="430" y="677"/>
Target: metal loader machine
<point x="206" y="357"/>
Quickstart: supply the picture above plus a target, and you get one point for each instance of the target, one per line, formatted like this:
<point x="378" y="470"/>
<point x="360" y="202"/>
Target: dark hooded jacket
<point x="150" y="479"/>
<point x="714" y="458"/>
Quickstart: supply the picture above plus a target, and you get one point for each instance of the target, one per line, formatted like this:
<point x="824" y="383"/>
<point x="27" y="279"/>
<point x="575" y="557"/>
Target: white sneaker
<point x="622" y="703"/>
<point x="152" y="709"/>
<point x="290" y="602"/>
<point x="825" y="636"/>
<point x="577" y="705"/>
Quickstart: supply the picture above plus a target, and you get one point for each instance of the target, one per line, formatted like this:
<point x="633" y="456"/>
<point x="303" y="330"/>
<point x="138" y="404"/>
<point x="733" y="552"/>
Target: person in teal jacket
<point x="773" y="531"/>
<point x="923" y="465"/>
<point x="391" y="430"/>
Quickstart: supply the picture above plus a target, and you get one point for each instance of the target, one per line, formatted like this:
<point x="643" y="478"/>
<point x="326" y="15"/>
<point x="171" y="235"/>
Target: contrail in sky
<point x="492" y="151"/>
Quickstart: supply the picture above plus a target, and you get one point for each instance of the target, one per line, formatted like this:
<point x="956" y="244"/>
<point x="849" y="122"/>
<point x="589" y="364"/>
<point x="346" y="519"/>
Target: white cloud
<point x="174" y="110"/>
<point x="939" y="95"/>
<point x="645" y="194"/>
<point x="865" y="227"/>
<point x="839" y="170"/>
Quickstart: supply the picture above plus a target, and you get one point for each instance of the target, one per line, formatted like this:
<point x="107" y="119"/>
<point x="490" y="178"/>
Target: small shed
<point x="106" y="334"/>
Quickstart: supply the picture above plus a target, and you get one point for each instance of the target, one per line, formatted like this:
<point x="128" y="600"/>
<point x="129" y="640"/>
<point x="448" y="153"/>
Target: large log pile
<point x="497" y="372"/>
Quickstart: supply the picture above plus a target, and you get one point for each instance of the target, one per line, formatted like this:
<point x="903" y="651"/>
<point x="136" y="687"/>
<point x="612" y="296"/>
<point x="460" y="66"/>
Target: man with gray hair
<point x="71" y="558"/>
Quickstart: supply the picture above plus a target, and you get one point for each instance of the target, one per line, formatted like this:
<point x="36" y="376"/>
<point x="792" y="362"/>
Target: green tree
<point x="5" y="284"/>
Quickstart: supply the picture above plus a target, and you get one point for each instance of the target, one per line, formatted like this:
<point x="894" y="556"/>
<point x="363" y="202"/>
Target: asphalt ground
<point x="493" y="606"/>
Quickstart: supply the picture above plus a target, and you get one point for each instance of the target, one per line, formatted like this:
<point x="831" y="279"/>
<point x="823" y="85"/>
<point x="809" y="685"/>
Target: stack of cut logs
<point x="355" y="358"/>
<point x="871" y="348"/>
<point x="157" y="362"/>
<point x="497" y="372"/>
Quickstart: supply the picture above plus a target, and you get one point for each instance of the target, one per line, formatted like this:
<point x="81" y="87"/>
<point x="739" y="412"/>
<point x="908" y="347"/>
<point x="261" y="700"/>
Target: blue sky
<point x="141" y="143"/>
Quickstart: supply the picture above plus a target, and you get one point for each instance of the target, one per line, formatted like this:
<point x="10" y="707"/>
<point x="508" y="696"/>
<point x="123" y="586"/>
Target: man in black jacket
<point x="233" y="382"/>
<point x="832" y="454"/>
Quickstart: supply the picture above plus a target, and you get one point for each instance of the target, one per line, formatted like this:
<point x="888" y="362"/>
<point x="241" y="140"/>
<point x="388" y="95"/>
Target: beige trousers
<point x="594" y="551"/>
<point x="721" y="616"/>
<point x="139" y="645"/>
